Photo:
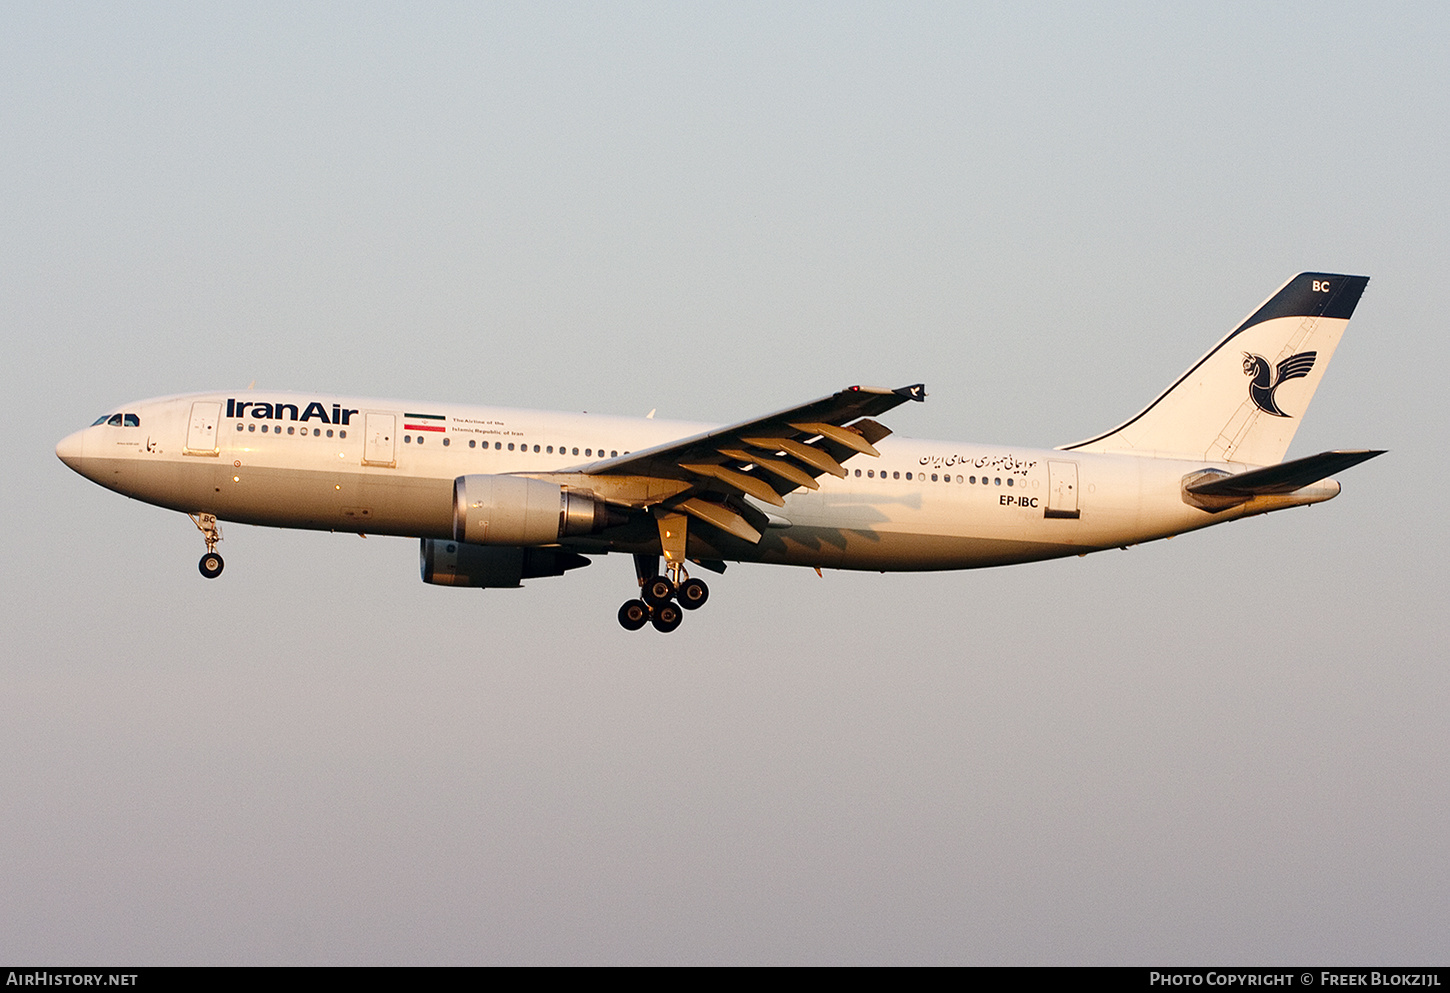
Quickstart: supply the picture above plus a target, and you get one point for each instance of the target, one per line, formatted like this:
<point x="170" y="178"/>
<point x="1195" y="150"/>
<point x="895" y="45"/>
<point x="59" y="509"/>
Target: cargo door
<point x="201" y="432"/>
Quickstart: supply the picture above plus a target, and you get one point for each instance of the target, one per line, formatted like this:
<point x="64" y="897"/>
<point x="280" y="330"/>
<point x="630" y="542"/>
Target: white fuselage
<point x="388" y="467"/>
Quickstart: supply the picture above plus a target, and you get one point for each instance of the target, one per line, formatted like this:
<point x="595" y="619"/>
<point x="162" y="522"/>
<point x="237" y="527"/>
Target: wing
<point x="1295" y="367"/>
<point x="708" y="475"/>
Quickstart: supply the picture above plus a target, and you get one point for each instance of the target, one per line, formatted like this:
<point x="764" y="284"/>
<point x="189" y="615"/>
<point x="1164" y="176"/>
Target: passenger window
<point x="613" y="454"/>
<point x="445" y="442"/>
<point x="472" y="442"/>
<point x="576" y="451"/>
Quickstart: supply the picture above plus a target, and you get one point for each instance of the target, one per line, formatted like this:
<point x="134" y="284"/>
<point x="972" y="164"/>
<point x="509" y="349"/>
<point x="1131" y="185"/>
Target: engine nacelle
<point x="515" y="510"/>
<point x="455" y="563"/>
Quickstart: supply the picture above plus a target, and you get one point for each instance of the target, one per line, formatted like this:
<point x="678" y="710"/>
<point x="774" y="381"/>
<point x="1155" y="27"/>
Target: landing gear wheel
<point x="633" y="615"/>
<point x="667" y="617"/>
<point x="211" y="565"/>
<point x="657" y="592"/>
<point x="693" y="594"/>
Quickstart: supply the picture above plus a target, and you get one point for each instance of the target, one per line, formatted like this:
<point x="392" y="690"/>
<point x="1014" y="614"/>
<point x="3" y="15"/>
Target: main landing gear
<point x="211" y="563"/>
<point x="663" y="599"/>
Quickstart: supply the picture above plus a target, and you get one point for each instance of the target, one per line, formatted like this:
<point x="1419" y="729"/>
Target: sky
<point x="1226" y="748"/>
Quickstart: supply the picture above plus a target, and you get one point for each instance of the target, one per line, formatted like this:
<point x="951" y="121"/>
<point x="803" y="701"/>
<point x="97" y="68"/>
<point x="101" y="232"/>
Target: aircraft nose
<point x="71" y="449"/>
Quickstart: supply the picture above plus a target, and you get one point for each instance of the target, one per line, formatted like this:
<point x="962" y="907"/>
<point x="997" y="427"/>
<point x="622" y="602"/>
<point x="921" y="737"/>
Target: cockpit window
<point x="100" y="420"/>
<point x="115" y="420"/>
<point x="132" y="421"/>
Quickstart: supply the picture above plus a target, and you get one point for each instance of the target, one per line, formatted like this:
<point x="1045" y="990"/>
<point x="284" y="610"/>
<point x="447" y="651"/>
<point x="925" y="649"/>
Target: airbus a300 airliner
<point x="498" y="495"/>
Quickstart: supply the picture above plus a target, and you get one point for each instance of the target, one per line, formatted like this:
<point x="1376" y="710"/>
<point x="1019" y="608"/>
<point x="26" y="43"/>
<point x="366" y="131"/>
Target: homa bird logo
<point x="1261" y="388"/>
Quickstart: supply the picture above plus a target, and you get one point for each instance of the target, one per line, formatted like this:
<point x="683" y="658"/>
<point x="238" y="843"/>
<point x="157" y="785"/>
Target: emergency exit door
<point x="380" y="440"/>
<point x="201" y="432"/>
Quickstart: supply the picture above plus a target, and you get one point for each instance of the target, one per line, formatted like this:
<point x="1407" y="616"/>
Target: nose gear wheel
<point x="211" y="563"/>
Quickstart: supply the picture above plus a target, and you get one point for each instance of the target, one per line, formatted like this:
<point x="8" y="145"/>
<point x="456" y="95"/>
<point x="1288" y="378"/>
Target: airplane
<point x="500" y="495"/>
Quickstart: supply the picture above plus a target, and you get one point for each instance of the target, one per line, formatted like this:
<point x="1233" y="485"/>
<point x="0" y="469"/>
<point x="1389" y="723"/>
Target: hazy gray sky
<point x="1228" y="748"/>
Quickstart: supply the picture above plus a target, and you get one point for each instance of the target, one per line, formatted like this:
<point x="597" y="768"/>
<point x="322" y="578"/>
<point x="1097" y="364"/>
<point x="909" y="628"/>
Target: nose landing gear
<point x="211" y="563"/>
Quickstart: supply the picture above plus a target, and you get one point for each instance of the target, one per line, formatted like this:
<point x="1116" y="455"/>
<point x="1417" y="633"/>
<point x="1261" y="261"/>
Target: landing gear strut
<point x="661" y="597"/>
<point x="211" y="563"/>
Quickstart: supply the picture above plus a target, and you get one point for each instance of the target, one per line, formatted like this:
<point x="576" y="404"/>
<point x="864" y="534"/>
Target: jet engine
<point x="515" y="510"/>
<point x="455" y="563"/>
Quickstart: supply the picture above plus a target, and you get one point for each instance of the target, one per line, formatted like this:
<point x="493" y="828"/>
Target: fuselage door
<point x="201" y="432"/>
<point x="1062" y="490"/>
<point x="380" y="440"/>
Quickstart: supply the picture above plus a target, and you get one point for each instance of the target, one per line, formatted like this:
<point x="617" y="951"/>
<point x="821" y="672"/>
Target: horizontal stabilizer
<point x="1286" y="477"/>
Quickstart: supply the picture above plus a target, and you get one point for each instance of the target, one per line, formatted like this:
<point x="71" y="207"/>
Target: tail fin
<point x="1242" y="401"/>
